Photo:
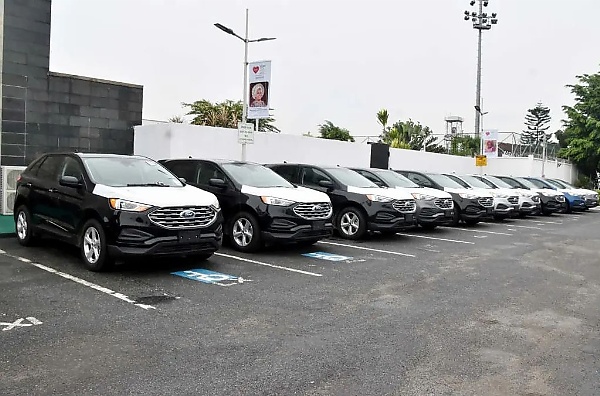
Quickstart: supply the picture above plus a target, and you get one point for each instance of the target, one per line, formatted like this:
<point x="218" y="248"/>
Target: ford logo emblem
<point x="317" y="207"/>
<point x="187" y="214"/>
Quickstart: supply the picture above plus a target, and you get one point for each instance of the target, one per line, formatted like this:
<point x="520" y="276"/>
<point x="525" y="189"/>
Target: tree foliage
<point x="537" y="122"/>
<point x="177" y="119"/>
<point x="330" y="131"/>
<point x="382" y="118"/>
<point x="224" y="114"/>
<point x="582" y="126"/>
<point x="466" y="146"/>
<point x="412" y="136"/>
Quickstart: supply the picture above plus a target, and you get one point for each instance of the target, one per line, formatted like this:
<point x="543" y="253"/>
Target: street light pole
<point x="246" y="41"/>
<point x="481" y="21"/>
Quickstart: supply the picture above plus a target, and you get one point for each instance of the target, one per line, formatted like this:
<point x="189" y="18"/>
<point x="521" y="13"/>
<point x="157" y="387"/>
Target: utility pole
<point x="481" y="21"/>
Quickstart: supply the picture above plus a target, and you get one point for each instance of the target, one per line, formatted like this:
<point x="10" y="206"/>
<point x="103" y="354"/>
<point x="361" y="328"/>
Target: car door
<point x="70" y="200"/>
<point x="43" y="200"/>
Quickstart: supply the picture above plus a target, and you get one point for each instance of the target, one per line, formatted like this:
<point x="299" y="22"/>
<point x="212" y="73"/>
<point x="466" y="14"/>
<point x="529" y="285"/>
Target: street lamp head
<point x="266" y="39"/>
<point x="478" y="109"/>
<point x="225" y="29"/>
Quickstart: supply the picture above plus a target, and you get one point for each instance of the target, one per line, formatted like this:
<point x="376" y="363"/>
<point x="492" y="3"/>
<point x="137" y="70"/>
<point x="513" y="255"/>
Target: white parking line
<point x="267" y="264"/>
<point x="75" y="279"/>
<point x="544" y="222"/>
<point x="367" y="249"/>
<point x="480" y="231"/>
<point x="520" y="226"/>
<point x="436" y="239"/>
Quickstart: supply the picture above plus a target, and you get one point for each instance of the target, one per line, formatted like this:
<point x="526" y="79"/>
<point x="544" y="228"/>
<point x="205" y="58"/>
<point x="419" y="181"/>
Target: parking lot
<point x="505" y="308"/>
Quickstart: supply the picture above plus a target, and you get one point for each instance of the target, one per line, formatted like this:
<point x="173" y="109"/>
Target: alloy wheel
<point x="243" y="232"/>
<point x="22" y="226"/>
<point x="92" y="245"/>
<point x="350" y="223"/>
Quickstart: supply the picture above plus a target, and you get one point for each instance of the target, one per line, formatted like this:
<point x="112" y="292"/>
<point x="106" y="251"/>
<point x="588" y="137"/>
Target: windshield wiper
<point x="157" y="184"/>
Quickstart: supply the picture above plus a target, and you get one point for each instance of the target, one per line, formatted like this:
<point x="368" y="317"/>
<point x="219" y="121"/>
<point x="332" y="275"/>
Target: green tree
<point x="413" y="136"/>
<point x="330" y="131"/>
<point x="537" y="122"/>
<point x="382" y="118"/>
<point x="466" y="146"/>
<point x="177" y="120"/>
<point x="582" y="126"/>
<point x="224" y="114"/>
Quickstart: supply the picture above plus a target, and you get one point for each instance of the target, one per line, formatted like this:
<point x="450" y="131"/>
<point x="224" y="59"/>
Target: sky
<point x="337" y="60"/>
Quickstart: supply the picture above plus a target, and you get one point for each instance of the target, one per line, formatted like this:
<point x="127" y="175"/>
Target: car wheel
<point x="456" y="217"/>
<point x="94" y="251"/>
<point x="245" y="232"/>
<point x="23" y="226"/>
<point x="429" y="227"/>
<point x="351" y="223"/>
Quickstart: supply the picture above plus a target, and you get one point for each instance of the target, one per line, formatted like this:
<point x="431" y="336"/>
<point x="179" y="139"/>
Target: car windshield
<point x="557" y="184"/>
<point x="498" y="182"/>
<point x="564" y="183"/>
<point x="129" y="171"/>
<point x="350" y="178"/>
<point x="394" y="179"/>
<point x="474" y="182"/>
<point x="255" y="175"/>
<point x="527" y="183"/>
<point x="513" y="182"/>
<point x="541" y="184"/>
<point x="444" y="181"/>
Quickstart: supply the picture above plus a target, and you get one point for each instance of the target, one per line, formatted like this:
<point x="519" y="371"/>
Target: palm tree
<point x="330" y="131"/>
<point x="382" y="118"/>
<point x="224" y="114"/>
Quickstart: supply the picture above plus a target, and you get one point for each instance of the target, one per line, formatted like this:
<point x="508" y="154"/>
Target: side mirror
<point x="70" y="181"/>
<point x="219" y="183"/>
<point x="326" y="183"/>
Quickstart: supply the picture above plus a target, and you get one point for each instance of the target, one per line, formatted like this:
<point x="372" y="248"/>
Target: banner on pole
<point x="490" y="143"/>
<point x="260" y="79"/>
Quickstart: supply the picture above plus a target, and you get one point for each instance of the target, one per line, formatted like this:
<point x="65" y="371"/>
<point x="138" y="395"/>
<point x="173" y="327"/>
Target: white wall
<point x="161" y="141"/>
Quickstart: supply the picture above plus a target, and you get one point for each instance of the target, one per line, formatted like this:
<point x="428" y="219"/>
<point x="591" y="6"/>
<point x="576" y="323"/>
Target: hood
<point x="481" y="193"/>
<point x="506" y="191"/>
<point x="426" y="191"/>
<point x="546" y="191"/>
<point x="298" y="194"/>
<point x="384" y="192"/>
<point x="162" y="197"/>
<point x="525" y="192"/>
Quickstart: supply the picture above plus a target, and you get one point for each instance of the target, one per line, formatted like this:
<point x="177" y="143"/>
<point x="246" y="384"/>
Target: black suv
<point x="114" y="205"/>
<point x="469" y="206"/>
<point x="259" y="206"/>
<point x="359" y="205"/>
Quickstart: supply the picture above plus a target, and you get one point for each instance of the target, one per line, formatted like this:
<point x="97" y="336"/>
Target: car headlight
<point x="560" y="198"/>
<point x="468" y="196"/>
<point x="277" y="201"/>
<point x="379" y="198"/>
<point x="127" y="206"/>
<point x="423" y="197"/>
<point x="216" y="205"/>
<point x="547" y="194"/>
<point x="498" y="195"/>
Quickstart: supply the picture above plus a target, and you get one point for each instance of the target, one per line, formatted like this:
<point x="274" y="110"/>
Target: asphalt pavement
<point x="505" y="308"/>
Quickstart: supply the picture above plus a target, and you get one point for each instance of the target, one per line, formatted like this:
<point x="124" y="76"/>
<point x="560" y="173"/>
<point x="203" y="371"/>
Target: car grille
<point x="444" y="203"/>
<point x="560" y="198"/>
<point x="405" y="205"/>
<point x="313" y="211"/>
<point x="178" y="218"/>
<point x="513" y="200"/>
<point x="487" y="202"/>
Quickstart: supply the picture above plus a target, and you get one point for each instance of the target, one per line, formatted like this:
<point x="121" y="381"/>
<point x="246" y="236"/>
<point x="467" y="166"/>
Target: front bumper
<point x="551" y="205"/>
<point x="504" y="208"/>
<point x="381" y="216"/>
<point x="280" y="224"/>
<point x="471" y="209"/>
<point x="578" y="205"/>
<point x="132" y="234"/>
<point x="429" y="213"/>
<point x="591" y="202"/>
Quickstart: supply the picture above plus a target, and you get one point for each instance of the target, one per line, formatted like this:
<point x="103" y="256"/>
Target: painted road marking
<point x="436" y="239"/>
<point x="480" y="231"/>
<point x="267" y="264"/>
<point x="211" y="277"/>
<point x="544" y="222"/>
<point x="528" y="227"/>
<point x="75" y="279"/>
<point x="19" y="323"/>
<point x="367" y="249"/>
<point x="480" y="236"/>
<point x="327" y="256"/>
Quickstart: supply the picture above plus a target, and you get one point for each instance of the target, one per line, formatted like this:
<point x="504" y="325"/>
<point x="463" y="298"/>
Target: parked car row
<point x="113" y="206"/>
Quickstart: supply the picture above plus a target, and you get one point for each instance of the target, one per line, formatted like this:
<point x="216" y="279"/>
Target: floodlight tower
<point x="481" y="21"/>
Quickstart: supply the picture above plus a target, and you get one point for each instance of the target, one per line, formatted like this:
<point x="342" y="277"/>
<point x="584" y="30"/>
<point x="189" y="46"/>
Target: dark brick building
<point x="46" y="111"/>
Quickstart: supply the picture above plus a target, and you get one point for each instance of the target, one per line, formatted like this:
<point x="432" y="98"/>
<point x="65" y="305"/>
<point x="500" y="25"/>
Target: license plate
<point x="449" y="213"/>
<point x="318" y="225"/>
<point x="189" y="236"/>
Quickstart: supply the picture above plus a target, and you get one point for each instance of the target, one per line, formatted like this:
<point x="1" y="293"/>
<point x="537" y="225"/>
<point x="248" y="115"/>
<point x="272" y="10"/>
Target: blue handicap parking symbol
<point x="210" y="277"/>
<point x="327" y="256"/>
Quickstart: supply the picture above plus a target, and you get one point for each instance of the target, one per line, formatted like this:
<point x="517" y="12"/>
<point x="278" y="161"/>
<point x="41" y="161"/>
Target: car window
<point x="184" y="169"/>
<point x="50" y="167"/>
<point x="371" y="177"/>
<point x="288" y="172"/>
<point x="526" y="183"/>
<point x="71" y="168"/>
<point x="471" y="181"/>
<point x="444" y="181"/>
<point x="207" y="171"/>
<point x="254" y="175"/>
<point x="540" y="184"/>
<point x="312" y="176"/>
<point x="420" y="180"/>
<point x="123" y="171"/>
<point x="514" y="183"/>
<point x="350" y="178"/>
<point x="394" y="179"/>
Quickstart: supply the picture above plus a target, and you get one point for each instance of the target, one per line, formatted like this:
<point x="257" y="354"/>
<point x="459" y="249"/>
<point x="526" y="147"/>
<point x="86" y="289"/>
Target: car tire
<point x="244" y="233"/>
<point x="23" y="226"/>
<point x="351" y="223"/>
<point x="456" y="217"/>
<point x="429" y="227"/>
<point x="93" y="246"/>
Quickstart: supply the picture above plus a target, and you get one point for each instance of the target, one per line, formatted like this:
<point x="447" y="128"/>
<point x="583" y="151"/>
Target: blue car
<point x="574" y="202"/>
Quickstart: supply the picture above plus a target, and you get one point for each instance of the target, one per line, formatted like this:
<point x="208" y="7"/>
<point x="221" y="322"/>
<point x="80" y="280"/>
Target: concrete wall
<point x="161" y="141"/>
<point x="44" y="111"/>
